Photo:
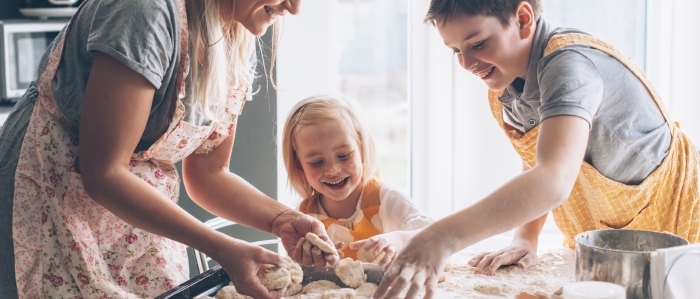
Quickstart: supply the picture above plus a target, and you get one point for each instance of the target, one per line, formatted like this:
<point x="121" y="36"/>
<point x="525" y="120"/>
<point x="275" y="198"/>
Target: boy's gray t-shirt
<point x="629" y="137"/>
<point x="143" y="35"/>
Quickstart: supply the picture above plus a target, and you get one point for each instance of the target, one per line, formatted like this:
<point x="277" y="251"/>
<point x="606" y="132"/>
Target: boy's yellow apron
<point x="666" y="201"/>
<point x="363" y="224"/>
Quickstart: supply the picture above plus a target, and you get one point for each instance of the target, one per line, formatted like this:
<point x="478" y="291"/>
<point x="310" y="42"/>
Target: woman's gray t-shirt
<point x="629" y="136"/>
<point x="143" y="35"/>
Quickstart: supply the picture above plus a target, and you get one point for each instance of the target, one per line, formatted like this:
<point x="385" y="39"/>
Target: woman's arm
<point x="223" y="193"/>
<point x="560" y="149"/>
<point x="115" y="111"/>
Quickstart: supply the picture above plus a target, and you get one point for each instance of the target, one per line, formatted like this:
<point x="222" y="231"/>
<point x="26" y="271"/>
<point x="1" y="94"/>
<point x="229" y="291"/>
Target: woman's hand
<point x="242" y="262"/>
<point x="291" y="226"/>
<point x="387" y="244"/>
<point x="415" y="267"/>
<point x="521" y="252"/>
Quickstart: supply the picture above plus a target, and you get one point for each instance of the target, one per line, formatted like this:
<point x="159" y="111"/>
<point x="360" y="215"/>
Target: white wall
<point x="679" y="60"/>
<point x="307" y="64"/>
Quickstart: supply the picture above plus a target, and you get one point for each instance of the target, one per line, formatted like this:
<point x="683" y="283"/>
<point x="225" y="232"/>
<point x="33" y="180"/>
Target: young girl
<point x="331" y="162"/>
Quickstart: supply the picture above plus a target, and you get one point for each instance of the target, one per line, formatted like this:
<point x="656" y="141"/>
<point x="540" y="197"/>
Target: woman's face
<point x="330" y="159"/>
<point x="257" y="15"/>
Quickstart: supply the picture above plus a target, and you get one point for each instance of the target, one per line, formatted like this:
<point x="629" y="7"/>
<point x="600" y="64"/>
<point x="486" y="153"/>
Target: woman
<point x="127" y="89"/>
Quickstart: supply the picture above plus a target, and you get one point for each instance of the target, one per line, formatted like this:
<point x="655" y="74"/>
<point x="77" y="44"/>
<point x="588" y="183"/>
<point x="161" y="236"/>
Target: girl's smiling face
<point x="495" y="53"/>
<point x="330" y="159"/>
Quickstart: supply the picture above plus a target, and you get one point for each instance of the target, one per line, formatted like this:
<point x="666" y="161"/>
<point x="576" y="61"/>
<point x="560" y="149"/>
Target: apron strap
<point x="563" y="40"/>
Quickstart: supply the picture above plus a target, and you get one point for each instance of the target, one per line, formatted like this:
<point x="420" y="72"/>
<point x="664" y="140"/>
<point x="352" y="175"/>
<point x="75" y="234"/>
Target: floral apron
<point x="666" y="201"/>
<point x="364" y="226"/>
<point x="66" y="244"/>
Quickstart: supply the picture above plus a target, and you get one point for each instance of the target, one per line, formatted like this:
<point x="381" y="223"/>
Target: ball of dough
<point x="319" y="286"/>
<point x="229" y="292"/>
<point x="295" y="271"/>
<point x="350" y="272"/>
<point x="367" y="289"/>
<point x="274" y="277"/>
<point x="344" y="293"/>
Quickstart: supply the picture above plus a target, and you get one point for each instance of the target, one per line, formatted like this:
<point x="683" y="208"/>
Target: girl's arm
<point x="560" y="150"/>
<point x="115" y="110"/>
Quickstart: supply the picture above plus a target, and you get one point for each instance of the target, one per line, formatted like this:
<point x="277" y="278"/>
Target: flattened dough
<point x="293" y="289"/>
<point x="319" y="286"/>
<point x="350" y="272"/>
<point x="318" y="242"/>
<point x="344" y="293"/>
<point x="367" y="289"/>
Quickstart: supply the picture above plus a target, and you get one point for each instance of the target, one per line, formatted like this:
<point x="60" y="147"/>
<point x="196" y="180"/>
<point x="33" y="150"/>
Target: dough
<point x="367" y="289"/>
<point x="306" y="296"/>
<point x="500" y="289"/>
<point x="297" y="275"/>
<point x="318" y="242"/>
<point x="350" y="272"/>
<point x="229" y="292"/>
<point x="273" y="277"/>
<point x="293" y="289"/>
<point x="319" y="287"/>
<point x="344" y="293"/>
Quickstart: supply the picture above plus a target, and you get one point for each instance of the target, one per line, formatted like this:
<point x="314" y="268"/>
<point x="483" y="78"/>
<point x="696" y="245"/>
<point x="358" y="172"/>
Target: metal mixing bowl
<point x="620" y="256"/>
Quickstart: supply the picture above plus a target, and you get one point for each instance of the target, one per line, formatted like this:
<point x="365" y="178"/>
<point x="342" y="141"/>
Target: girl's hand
<point x="291" y="227"/>
<point x="521" y="252"/>
<point x="242" y="262"/>
<point x="387" y="244"/>
<point x="415" y="267"/>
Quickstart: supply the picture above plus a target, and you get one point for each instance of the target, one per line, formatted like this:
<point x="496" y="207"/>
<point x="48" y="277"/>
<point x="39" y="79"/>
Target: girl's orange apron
<point x="364" y="225"/>
<point x="67" y="245"/>
<point x="667" y="200"/>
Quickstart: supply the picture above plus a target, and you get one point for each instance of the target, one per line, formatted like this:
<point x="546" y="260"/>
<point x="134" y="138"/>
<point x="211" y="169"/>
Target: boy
<point x="598" y="149"/>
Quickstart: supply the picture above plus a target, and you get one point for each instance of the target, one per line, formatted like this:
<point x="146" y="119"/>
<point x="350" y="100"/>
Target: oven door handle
<point x="63" y="2"/>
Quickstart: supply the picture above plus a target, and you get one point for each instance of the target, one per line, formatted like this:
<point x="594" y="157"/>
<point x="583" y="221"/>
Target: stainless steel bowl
<point x="620" y="256"/>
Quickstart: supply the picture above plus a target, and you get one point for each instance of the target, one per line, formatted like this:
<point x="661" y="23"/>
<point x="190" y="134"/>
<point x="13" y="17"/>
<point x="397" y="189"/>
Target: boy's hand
<point x="416" y="267"/>
<point x="520" y="252"/>
<point x="380" y="249"/>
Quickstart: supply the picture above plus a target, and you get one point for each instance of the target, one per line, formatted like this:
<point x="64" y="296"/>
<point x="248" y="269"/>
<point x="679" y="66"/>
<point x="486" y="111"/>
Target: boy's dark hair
<point x="445" y="10"/>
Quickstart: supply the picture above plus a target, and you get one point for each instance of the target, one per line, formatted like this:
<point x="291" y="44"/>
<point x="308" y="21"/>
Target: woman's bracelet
<point x="269" y="223"/>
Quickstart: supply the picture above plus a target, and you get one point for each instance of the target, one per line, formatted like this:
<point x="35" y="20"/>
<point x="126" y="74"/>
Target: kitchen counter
<point x="554" y="269"/>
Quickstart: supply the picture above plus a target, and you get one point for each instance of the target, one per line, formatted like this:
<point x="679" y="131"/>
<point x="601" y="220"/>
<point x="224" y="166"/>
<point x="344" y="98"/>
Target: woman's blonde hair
<point x="228" y="51"/>
<point x="314" y="111"/>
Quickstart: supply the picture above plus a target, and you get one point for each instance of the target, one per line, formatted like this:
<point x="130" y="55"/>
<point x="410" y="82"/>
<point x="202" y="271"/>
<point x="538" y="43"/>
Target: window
<point x="372" y="37"/>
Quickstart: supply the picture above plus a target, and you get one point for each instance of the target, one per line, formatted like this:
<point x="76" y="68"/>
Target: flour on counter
<point x="554" y="269"/>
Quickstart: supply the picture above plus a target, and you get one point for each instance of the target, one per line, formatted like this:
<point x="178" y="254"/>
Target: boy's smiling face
<point x="485" y="47"/>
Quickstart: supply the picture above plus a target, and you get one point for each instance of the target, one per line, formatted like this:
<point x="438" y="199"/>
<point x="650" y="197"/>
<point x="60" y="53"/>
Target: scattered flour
<point x="554" y="269"/>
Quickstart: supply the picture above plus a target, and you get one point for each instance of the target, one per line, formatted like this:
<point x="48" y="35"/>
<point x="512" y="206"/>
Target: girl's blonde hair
<point x="229" y="58"/>
<point x="314" y="111"/>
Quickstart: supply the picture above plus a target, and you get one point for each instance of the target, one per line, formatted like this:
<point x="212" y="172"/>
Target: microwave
<point x="22" y="46"/>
